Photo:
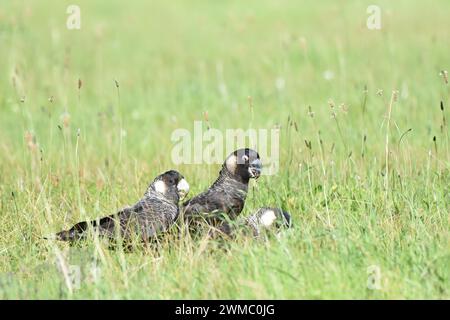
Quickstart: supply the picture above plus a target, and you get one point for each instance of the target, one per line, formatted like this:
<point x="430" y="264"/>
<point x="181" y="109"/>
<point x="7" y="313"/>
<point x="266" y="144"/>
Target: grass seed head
<point x="30" y="139"/>
<point x="444" y="75"/>
<point x="394" y="95"/>
<point x="310" y="112"/>
<point x="65" y="118"/>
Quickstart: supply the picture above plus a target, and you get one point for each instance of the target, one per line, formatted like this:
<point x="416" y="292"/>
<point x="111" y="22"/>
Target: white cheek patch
<point x="268" y="218"/>
<point x="183" y="187"/>
<point x="160" y="186"/>
<point x="231" y="163"/>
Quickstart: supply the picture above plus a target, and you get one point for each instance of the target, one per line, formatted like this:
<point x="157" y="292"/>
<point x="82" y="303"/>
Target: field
<point x="86" y="118"/>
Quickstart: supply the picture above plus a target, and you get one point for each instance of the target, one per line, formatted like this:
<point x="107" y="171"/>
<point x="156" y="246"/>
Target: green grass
<point x="173" y="62"/>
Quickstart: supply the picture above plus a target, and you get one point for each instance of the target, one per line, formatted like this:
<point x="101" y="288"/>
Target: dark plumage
<point x="154" y="213"/>
<point x="263" y="219"/>
<point x="227" y="194"/>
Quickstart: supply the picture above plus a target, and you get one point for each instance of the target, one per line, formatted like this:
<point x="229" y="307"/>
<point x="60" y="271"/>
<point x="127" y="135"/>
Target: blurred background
<point x="86" y="117"/>
<point x="175" y="61"/>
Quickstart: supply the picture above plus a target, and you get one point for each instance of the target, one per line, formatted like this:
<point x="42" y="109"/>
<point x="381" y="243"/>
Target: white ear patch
<point x="183" y="187"/>
<point x="231" y="163"/>
<point x="160" y="186"/>
<point x="268" y="218"/>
